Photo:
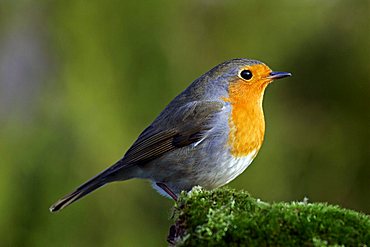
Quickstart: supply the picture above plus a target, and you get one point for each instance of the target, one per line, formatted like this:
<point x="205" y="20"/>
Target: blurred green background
<point x="79" y="80"/>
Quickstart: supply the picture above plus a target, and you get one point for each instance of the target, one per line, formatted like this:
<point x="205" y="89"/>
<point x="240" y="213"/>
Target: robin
<point x="208" y="135"/>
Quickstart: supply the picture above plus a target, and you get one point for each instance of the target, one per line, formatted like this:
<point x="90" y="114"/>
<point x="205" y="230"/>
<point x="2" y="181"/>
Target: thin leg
<point x="167" y="190"/>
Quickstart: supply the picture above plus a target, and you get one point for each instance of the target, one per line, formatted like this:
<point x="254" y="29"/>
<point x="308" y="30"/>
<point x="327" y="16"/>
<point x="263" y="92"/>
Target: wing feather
<point x="189" y="124"/>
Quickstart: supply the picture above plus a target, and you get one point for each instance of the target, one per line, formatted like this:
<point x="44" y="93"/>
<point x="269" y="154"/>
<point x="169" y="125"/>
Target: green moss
<point x="224" y="217"/>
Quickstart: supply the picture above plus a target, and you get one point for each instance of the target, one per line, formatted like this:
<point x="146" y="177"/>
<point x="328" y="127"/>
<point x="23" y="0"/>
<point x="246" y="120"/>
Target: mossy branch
<point x="225" y="217"/>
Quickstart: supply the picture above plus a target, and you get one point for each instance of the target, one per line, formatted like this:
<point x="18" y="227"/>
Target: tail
<point x="88" y="187"/>
<point x="80" y="192"/>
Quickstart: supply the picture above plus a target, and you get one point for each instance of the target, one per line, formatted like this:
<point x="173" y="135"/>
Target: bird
<point x="206" y="136"/>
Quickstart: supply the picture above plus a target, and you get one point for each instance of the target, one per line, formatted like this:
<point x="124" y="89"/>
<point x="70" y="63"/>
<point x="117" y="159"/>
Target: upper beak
<point x="278" y="75"/>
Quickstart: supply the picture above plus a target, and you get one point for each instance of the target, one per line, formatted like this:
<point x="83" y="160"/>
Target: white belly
<point x="234" y="166"/>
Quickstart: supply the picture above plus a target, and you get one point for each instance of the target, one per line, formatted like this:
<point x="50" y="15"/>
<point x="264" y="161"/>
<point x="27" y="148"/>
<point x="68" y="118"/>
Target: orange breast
<point x="247" y="124"/>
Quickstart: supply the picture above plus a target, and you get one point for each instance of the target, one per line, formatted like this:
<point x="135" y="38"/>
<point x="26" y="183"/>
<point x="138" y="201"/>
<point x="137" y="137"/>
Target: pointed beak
<point x="278" y="75"/>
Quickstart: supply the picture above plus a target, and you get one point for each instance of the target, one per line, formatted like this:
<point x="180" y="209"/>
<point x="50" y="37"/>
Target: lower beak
<point x="278" y="75"/>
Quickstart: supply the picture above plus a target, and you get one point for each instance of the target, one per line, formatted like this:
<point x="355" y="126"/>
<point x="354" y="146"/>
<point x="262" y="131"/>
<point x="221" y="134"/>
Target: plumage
<point x="206" y="136"/>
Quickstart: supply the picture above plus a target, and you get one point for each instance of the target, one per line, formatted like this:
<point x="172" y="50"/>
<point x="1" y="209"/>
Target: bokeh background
<point x="79" y="80"/>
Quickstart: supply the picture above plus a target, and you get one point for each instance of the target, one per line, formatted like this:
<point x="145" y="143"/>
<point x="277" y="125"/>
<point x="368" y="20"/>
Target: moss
<point x="224" y="217"/>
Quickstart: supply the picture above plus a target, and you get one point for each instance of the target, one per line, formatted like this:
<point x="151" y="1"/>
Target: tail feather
<point x="108" y="175"/>
<point x="75" y="195"/>
<point x="80" y="192"/>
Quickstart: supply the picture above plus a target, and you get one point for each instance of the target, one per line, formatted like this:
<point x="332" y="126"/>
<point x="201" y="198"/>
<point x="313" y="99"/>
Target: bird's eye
<point x="246" y="74"/>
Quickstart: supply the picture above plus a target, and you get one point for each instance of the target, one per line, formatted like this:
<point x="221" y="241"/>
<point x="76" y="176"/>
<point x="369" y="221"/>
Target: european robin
<point x="206" y="136"/>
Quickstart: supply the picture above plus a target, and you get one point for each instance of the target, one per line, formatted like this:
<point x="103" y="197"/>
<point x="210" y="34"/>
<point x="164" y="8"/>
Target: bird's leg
<point x="167" y="190"/>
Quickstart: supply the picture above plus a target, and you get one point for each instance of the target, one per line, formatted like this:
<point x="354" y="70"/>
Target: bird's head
<point x="245" y="79"/>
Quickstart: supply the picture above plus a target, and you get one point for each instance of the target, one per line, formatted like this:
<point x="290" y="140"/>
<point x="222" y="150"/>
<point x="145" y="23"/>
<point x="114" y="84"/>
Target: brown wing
<point x="186" y="125"/>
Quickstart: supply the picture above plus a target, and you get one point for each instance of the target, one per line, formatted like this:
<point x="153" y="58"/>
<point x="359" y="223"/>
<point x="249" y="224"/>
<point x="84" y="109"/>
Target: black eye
<point x="246" y="74"/>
